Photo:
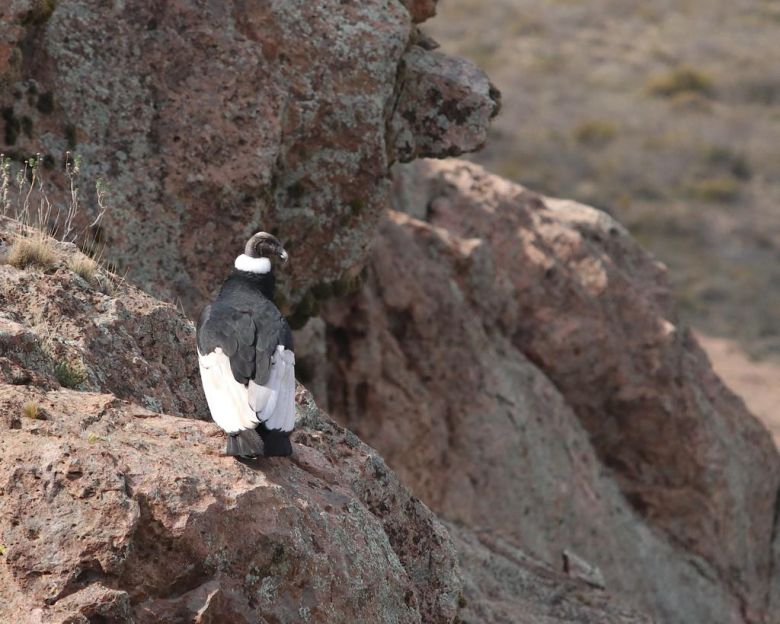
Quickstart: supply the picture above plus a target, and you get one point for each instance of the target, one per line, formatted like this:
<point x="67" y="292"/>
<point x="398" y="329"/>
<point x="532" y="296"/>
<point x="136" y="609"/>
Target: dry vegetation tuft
<point x="85" y="267"/>
<point x="681" y="80"/>
<point x="32" y="411"/>
<point x="39" y="223"/>
<point x="723" y="189"/>
<point x="37" y="250"/>
<point x="595" y="132"/>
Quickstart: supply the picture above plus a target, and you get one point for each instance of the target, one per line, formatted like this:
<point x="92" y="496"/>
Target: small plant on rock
<point x="37" y="250"/>
<point x="31" y="410"/>
<point x="93" y="438"/>
<point x="84" y="266"/>
<point x="70" y="374"/>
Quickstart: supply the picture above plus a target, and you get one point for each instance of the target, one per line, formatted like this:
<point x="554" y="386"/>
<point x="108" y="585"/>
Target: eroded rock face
<point x="106" y="495"/>
<point x="214" y="120"/>
<point x="503" y="585"/>
<point x="528" y="380"/>
<point x="55" y="326"/>
<point x="114" y="510"/>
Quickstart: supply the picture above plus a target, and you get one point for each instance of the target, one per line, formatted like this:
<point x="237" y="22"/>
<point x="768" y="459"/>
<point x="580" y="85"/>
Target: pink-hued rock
<point x="56" y="318"/>
<point x="421" y="10"/>
<point x="517" y="361"/>
<point x="212" y="121"/>
<point x="445" y="106"/>
<point x="112" y="511"/>
<point x="115" y="512"/>
<point x="107" y="502"/>
<point x="503" y="585"/>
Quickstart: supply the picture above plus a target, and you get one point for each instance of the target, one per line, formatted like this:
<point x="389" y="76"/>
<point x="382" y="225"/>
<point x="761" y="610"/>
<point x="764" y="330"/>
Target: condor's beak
<point x="283" y="255"/>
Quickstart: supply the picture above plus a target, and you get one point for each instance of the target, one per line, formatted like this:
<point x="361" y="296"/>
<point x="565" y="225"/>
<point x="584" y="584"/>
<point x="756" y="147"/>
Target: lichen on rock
<point x="113" y="510"/>
<point x="528" y="378"/>
<point x="213" y="122"/>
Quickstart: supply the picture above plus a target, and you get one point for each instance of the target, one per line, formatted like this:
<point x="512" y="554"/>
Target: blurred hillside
<point x="665" y="114"/>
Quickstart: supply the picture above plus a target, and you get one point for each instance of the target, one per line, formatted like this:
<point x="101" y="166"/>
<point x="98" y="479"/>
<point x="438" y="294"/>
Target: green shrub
<point x="70" y="374"/>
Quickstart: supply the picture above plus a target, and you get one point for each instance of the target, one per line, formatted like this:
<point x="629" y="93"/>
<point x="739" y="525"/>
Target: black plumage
<point x="248" y="328"/>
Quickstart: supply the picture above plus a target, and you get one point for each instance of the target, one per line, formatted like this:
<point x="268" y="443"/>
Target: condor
<point x="245" y="352"/>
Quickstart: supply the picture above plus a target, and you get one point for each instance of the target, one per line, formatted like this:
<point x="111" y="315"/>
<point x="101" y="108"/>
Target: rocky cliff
<point x="118" y="505"/>
<point x="215" y="119"/>
<point x="518" y="361"/>
<point x="515" y="358"/>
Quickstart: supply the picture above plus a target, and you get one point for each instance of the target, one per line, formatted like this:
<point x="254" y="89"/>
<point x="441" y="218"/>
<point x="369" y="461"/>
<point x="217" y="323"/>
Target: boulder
<point x="518" y="362"/>
<point x="119" y="506"/>
<point x="211" y="121"/>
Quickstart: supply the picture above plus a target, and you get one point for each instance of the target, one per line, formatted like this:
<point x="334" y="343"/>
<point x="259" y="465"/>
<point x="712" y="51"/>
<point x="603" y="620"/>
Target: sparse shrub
<point x="40" y="223"/>
<point x="691" y="101"/>
<point x="84" y="266"/>
<point x="31" y="410"/>
<point x="34" y="250"/>
<point x="681" y="80"/>
<point x="722" y="190"/>
<point x="727" y="159"/>
<point x="764" y="92"/>
<point x="2" y="550"/>
<point x="70" y="374"/>
<point x="595" y="132"/>
<point x="93" y="438"/>
<point x="39" y="13"/>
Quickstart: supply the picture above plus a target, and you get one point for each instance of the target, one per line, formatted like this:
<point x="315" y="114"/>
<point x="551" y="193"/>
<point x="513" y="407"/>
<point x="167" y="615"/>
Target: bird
<point x="246" y="356"/>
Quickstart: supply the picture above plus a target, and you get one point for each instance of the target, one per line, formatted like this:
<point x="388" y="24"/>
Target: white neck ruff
<point x="252" y="265"/>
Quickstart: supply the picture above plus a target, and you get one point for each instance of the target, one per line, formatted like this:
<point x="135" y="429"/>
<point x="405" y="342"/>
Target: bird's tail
<point x="246" y="443"/>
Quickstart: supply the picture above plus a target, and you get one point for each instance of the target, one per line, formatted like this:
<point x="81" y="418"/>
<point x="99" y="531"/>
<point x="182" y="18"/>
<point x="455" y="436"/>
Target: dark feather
<point x="247" y="326"/>
<point x="245" y="443"/>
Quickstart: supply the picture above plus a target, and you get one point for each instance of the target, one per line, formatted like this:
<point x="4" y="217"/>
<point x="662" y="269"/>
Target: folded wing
<point x="248" y="368"/>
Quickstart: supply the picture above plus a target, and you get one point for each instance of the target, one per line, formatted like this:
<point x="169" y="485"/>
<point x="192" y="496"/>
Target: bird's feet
<point x="276" y="443"/>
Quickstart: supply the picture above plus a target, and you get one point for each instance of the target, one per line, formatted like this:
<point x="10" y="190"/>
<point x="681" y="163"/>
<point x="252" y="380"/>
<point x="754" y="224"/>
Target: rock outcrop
<point x="117" y="505"/>
<point x="213" y="119"/>
<point x="112" y="509"/>
<point x="527" y="378"/>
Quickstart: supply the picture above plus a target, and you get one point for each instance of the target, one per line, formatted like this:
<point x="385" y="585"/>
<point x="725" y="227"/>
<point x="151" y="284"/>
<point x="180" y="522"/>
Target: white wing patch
<point x="236" y="407"/>
<point x="228" y="400"/>
<point x="274" y="401"/>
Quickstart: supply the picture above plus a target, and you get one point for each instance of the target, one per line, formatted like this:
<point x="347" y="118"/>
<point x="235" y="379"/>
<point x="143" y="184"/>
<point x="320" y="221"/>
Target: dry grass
<point x="721" y="189"/>
<point x="35" y="250"/>
<point x="85" y="267"/>
<point x="681" y="80"/>
<point x="31" y="410"/>
<point x="595" y="132"/>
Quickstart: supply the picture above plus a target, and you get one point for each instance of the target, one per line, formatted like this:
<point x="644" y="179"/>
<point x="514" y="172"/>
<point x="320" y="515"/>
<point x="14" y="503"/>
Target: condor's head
<point x="260" y="253"/>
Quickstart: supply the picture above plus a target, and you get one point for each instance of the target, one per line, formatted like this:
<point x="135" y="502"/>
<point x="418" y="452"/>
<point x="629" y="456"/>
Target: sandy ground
<point x="758" y="383"/>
